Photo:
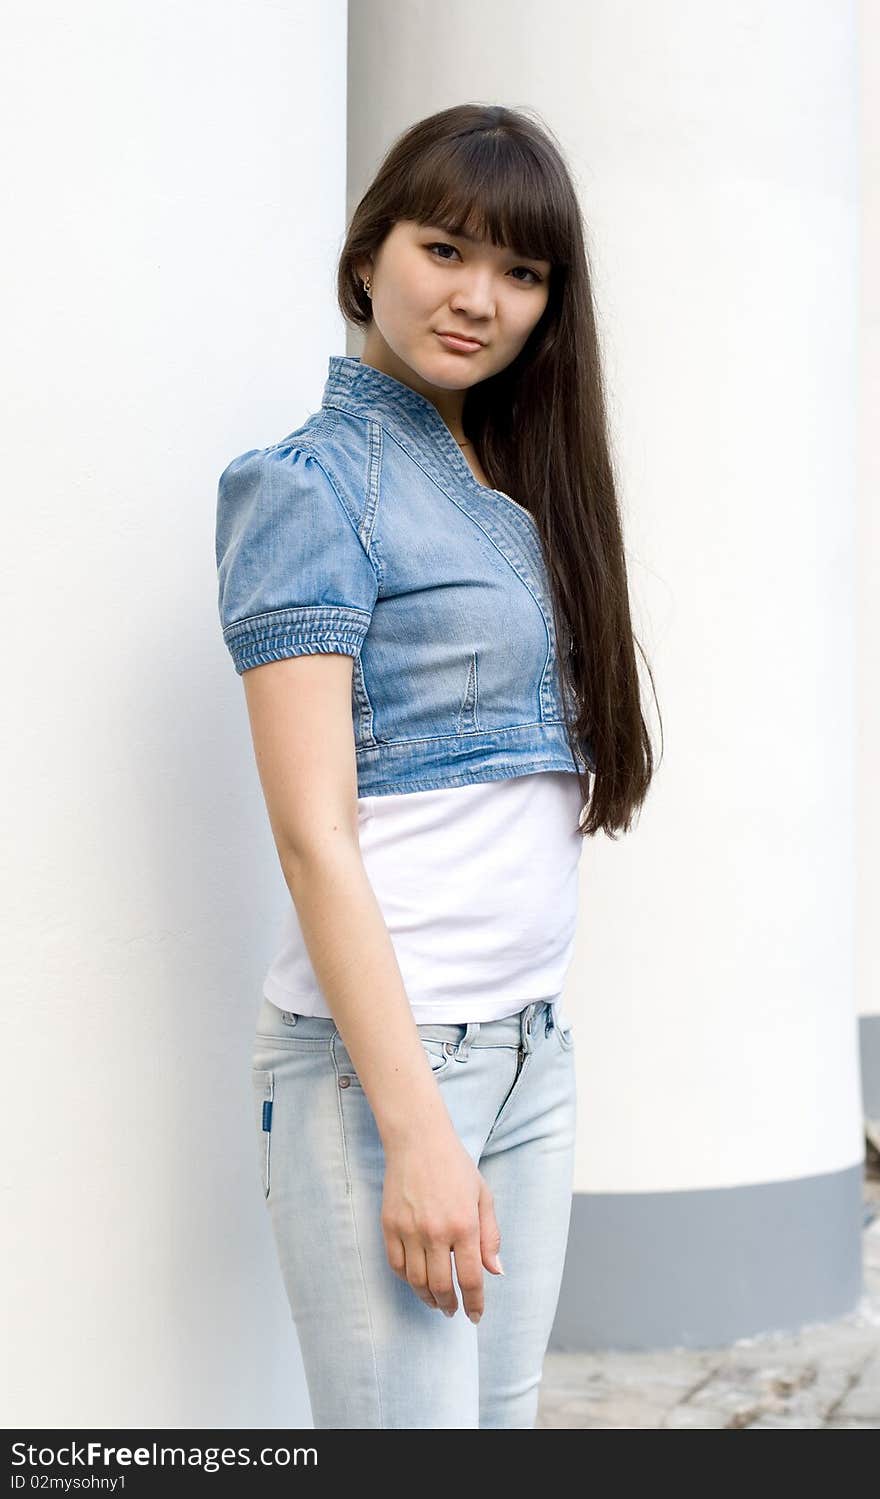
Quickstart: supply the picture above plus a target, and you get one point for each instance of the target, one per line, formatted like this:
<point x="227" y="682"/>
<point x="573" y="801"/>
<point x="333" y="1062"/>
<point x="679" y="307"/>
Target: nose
<point x="473" y="295"/>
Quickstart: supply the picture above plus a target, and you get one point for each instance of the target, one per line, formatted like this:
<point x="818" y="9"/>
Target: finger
<point x="395" y="1254"/>
<point x="490" y="1233"/>
<point x="469" y="1273"/>
<point x="439" y="1263"/>
<point x="417" y="1271"/>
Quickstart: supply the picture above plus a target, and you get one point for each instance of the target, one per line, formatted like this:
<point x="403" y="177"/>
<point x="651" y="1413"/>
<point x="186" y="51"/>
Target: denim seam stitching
<point x="509" y="728"/>
<point x="352" y="521"/>
<point x="374" y="495"/>
<point x="468" y="707"/>
<point x="357" y="1243"/>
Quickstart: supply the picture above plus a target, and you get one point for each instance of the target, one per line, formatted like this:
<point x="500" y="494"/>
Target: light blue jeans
<point x="374" y="1354"/>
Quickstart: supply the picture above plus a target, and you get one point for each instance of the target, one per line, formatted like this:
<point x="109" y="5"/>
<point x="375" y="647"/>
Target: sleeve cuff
<point x="307" y="630"/>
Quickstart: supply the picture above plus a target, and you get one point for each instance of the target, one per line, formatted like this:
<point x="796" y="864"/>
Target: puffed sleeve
<point x="294" y="576"/>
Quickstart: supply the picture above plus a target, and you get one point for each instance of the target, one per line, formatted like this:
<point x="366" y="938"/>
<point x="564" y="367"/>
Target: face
<point x="426" y="281"/>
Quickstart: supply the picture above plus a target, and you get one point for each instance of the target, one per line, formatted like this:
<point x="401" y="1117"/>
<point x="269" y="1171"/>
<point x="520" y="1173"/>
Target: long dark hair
<point x="539" y="426"/>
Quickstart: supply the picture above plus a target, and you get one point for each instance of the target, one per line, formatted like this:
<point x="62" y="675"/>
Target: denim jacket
<point x="365" y="532"/>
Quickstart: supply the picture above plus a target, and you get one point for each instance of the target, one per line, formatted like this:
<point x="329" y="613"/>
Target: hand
<point x="436" y="1203"/>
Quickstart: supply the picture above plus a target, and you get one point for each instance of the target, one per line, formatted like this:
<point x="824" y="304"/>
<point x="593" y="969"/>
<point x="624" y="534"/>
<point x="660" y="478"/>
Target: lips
<point x="460" y="340"/>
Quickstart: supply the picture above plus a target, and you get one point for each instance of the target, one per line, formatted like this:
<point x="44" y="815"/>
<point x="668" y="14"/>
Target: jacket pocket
<point x="264" y="1098"/>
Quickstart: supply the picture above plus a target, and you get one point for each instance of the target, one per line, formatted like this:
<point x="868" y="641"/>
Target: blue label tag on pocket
<point x="267" y="1114"/>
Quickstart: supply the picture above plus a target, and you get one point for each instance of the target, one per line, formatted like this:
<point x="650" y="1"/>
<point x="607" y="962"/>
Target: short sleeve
<point x="294" y="577"/>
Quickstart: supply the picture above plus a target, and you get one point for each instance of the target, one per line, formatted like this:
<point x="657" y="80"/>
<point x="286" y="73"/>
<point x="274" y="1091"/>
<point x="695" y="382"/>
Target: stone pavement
<point x="826" y="1375"/>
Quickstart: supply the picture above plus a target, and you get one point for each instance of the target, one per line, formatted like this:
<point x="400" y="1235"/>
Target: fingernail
<point x="448" y="1313"/>
<point x="475" y="1316"/>
<point x="498" y="1263"/>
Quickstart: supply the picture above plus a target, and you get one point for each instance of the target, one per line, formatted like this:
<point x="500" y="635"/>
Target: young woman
<point x="424" y="588"/>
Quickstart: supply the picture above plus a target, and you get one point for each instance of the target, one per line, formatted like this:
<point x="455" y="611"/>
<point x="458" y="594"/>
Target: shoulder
<point x="322" y="461"/>
<point x="295" y="574"/>
<point x="291" y="451"/>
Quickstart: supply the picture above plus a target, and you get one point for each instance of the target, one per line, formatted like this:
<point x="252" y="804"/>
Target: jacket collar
<point x="417" y="425"/>
<point x="365" y="391"/>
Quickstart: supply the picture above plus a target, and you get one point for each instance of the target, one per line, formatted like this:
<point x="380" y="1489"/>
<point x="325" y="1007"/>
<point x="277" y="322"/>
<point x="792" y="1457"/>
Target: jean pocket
<point x="439" y="1054"/>
<point x="264" y="1097"/>
<point x="566" y="1037"/>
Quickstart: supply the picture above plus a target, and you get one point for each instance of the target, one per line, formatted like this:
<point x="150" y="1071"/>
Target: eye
<point x="439" y="245"/>
<point x="442" y="245"/>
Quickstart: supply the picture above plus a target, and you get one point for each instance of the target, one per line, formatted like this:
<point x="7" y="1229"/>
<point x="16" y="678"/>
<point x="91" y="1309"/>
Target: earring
<point x="367" y="285"/>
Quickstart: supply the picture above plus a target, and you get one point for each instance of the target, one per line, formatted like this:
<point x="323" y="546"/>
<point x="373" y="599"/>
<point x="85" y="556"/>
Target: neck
<point x="449" y="403"/>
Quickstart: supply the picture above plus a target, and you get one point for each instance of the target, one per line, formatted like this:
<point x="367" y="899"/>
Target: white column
<point x="713" y="991"/>
<point x="175" y="194"/>
<point x="868" y="801"/>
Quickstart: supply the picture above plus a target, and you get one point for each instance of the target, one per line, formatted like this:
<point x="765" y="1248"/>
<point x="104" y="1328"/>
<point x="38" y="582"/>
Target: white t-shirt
<point x="478" y="886"/>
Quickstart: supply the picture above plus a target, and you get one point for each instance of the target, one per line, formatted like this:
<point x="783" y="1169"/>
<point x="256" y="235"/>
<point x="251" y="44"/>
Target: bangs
<point x="488" y="185"/>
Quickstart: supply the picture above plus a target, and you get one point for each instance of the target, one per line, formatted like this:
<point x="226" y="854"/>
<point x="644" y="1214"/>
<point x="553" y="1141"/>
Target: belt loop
<point x="472" y="1029"/>
<point x="527" y="1025"/>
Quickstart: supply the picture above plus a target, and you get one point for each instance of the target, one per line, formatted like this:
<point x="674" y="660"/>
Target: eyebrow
<point x="474" y="239"/>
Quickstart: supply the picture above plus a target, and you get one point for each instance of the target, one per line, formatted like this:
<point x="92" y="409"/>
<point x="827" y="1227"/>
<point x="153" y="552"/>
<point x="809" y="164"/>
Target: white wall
<point x="868" y="747"/>
<point x="178" y="182"/>
<point x="713" y="987"/>
<point x="175" y="203"/>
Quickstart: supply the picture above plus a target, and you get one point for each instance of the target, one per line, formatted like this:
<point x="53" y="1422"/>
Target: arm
<point x="301" y="725"/>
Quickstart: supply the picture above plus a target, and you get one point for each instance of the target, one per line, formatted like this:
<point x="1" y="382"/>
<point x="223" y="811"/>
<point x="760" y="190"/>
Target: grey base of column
<point x="702" y="1269"/>
<point x="869" y="1051"/>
